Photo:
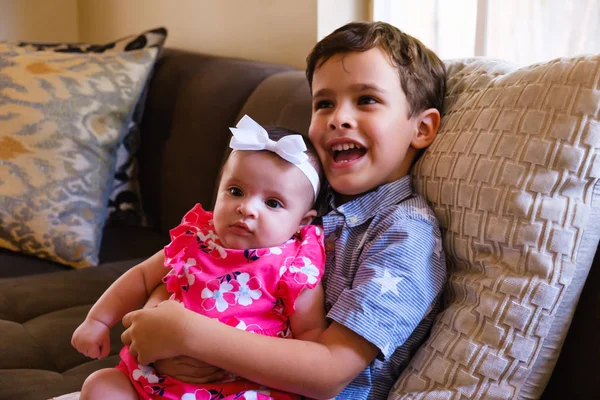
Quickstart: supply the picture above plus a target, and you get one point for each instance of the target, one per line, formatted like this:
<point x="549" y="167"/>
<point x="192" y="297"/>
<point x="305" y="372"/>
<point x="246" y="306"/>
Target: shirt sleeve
<point x="400" y="276"/>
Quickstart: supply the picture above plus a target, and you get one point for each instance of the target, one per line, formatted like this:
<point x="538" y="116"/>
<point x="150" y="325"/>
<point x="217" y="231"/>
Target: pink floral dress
<point x="253" y="290"/>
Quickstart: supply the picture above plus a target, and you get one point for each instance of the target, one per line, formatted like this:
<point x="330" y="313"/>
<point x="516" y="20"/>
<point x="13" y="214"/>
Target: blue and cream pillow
<point x="124" y="203"/>
<point x="63" y="116"/>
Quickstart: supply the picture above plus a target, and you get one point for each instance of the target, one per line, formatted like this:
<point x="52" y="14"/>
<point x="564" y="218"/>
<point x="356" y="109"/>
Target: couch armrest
<point x="28" y="297"/>
<point x="38" y="315"/>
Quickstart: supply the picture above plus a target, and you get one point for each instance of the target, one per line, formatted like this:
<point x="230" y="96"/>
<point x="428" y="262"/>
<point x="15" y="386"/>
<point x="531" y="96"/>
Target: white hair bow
<point x="249" y="135"/>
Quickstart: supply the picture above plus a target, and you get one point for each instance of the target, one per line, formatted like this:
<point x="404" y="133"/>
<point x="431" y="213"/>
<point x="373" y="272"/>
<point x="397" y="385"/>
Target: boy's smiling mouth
<point x="347" y="152"/>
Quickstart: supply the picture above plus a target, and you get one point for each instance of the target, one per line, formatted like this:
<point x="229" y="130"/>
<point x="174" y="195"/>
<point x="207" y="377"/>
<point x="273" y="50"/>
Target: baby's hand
<point x="92" y="339"/>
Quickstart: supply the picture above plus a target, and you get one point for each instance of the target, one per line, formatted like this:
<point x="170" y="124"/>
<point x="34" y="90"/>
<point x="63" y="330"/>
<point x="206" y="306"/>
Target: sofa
<point x="192" y="100"/>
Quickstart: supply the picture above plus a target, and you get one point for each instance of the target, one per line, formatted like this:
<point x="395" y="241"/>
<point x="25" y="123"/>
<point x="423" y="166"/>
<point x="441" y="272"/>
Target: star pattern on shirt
<point x="388" y="282"/>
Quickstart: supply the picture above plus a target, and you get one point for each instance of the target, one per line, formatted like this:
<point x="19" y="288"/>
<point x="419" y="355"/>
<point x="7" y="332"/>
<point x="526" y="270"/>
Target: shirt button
<point x="353" y="220"/>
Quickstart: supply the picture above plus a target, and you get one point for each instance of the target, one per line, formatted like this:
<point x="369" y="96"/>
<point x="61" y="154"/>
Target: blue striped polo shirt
<point x="385" y="269"/>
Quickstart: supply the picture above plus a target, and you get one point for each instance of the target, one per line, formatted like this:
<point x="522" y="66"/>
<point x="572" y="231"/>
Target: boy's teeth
<point x="345" y="146"/>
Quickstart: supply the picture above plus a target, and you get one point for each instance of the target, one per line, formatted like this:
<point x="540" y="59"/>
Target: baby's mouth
<point x="240" y="228"/>
<point x="343" y="153"/>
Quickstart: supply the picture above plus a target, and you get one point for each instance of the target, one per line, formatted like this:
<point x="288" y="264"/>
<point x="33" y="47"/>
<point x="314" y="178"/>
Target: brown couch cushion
<point x="37" y="318"/>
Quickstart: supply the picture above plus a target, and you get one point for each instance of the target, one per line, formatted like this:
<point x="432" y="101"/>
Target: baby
<point x="255" y="264"/>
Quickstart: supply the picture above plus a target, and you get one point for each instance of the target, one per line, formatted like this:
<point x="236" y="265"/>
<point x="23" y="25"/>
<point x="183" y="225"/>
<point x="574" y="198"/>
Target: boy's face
<point x="360" y="123"/>
<point x="261" y="201"/>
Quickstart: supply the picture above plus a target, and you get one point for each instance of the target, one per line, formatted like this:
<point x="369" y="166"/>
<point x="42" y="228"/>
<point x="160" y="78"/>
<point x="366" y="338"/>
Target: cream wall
<point x="334" y="13"/>
<point x="29" y="20"/>
<point x="281" y="31"/>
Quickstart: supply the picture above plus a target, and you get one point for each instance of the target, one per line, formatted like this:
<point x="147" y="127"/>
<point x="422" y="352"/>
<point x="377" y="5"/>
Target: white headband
<point x="249" y="135"/>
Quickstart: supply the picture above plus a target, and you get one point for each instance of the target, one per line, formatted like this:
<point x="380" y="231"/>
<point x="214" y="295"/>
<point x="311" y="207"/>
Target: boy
<point x="377" y="99"/>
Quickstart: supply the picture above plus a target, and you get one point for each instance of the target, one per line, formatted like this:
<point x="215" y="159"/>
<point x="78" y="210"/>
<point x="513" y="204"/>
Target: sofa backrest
<point x="191" y="102"/>
<point x="282" y="99"/>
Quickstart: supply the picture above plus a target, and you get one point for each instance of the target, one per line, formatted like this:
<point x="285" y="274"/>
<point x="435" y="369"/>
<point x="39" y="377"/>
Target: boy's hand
<point x="92" y="339"/>
<point x="156" y="333"/>
<point x="189" y="370"/>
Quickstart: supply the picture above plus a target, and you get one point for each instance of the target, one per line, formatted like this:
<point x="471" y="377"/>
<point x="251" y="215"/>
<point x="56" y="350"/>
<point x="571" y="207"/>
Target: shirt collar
<point x="370" y="204"/>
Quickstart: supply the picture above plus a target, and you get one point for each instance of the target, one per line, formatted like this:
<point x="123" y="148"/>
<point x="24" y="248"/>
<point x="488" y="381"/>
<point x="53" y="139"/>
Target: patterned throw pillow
<point x="513" y="178"/>
<point x="124" y="203"/>
<point x="62" y="119"/>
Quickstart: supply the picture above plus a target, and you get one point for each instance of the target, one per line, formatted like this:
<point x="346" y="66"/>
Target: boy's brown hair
<point x="422" y="73"/>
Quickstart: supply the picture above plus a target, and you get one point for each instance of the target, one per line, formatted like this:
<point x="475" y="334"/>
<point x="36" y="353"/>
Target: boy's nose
<point x="341" y="119"/>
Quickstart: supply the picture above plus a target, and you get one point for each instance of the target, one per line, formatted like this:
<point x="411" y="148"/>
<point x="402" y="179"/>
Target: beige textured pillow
<point x="511" y="178"/>
<point x="62" y="116"/>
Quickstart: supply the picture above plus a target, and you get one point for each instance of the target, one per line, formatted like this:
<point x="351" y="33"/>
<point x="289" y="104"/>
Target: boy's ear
<point x="308" y="217"/>
<point x="428" y="123"/>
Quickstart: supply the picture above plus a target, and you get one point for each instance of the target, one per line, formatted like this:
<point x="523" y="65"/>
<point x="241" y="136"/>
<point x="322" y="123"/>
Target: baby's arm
<point x="127" y="293"/>
<point x="159" y="295"/>
<point x="308" y="321"/>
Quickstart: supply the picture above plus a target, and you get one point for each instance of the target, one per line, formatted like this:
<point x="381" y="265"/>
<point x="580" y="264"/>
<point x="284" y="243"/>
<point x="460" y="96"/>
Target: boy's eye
<point x="272" y="203"/>
<point x="366" y="100"/>
<point x="235" y="191"/>
<point x="323" y="104"/>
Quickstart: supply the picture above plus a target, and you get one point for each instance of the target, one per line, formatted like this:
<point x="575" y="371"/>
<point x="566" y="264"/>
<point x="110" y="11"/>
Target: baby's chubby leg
<point x="109" y="383"/>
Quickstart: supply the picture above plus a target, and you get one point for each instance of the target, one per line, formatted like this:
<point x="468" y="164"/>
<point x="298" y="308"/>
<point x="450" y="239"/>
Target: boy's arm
<point x="318" y="369"/>
<point x="130" y="291"/>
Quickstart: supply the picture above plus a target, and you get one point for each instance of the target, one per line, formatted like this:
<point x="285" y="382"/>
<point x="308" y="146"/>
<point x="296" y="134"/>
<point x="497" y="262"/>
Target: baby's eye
<point x="323" y="104"/>
<point x="366" y="100"/>
<point x="235" y="191"/>
<point x="272" y="203"/>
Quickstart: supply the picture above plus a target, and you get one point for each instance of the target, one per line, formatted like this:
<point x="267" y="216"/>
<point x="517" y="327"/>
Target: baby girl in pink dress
<point x="246" y="265"/>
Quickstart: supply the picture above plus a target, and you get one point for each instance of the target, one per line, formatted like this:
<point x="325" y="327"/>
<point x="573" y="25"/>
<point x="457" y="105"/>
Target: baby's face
<point x="261" y="202"/>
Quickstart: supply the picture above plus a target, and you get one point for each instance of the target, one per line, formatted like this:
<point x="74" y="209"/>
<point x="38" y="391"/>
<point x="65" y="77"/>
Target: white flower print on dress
<point x="212" y="246"/>
<point x="306" y="239"/>
<point x="250" y="328"/>
<point x="249" y="289"/>
<point x="253" y="394"/>
<point x="274" y="250"/>
<point x="217" y="294"/>
<point x="147" y="372"/>
<point x="200" y="394"/>
<point x="307" y="273"/>
<point x="191" y="262"/>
